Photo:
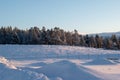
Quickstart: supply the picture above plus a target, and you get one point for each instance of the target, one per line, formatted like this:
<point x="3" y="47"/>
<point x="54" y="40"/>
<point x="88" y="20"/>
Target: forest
<point x="56" y="36"/>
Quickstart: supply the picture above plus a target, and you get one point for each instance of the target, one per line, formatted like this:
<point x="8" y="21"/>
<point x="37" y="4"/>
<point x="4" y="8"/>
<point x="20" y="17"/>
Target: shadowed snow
<point x="44" y="62"/>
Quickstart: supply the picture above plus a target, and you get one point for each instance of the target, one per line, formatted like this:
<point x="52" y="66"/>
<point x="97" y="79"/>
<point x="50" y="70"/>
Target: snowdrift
<point x="45" y="62"/>
<point x="63" y="70"/>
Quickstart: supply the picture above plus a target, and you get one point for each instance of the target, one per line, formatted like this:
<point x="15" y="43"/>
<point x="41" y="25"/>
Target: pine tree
<point x="115" y="41"/>
<point x="87" y="41"/>
<point x="69" y="39"/>
<point x="82" y="41"/>
<point x="76" y="38"/>
<point x="99" y="41"/>
<point x="93" y="42"/>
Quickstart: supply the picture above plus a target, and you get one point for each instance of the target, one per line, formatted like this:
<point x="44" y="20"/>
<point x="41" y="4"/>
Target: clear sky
<point x="87" y="16"/>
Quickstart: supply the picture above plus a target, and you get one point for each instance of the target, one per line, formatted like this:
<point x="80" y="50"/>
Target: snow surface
<point x="45" y="62"/>
<point x="107" y="34"/>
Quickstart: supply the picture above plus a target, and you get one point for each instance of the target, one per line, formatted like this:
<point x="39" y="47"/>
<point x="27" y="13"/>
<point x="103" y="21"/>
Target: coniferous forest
<point x="56" y="36"/>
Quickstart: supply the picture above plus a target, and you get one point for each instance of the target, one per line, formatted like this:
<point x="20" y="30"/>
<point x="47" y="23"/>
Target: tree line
<point x="56" y="36"/>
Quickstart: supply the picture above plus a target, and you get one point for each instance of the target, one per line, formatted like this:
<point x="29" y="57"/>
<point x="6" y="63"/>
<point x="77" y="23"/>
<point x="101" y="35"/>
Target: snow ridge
<point x="6" y="62"/>
<point x="45" y="62"/>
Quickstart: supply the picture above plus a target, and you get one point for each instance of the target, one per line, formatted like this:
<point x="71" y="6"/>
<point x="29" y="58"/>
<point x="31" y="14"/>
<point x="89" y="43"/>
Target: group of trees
<point x="56" y="36"/>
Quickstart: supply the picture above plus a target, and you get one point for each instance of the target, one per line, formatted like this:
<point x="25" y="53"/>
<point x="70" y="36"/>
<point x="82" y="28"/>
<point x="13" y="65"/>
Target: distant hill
<point x="107" y="34"/>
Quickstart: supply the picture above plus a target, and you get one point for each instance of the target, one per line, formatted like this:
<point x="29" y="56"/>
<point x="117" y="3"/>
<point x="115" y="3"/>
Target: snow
<point x="107" y="34"/>
<point x="45" y="62"/>
<point x="7" y="63"/>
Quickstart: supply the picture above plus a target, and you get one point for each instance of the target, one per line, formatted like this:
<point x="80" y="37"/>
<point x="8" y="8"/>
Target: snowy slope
<point x="45" y="62"/>
<point x="108" y="34"/>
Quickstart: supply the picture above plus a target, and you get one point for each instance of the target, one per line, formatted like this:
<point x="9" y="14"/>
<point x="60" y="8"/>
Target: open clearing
<point x="45" y="62"/>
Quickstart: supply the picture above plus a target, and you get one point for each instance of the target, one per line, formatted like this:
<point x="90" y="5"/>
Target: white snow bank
<point x="8" y="72"/>
<point x="44" y="62"/>
<point x="6" y="62"/>
<point x="65" y="70"/>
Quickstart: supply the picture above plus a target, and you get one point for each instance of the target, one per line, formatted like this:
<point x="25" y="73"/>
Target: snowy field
<point x="45" y="62"/>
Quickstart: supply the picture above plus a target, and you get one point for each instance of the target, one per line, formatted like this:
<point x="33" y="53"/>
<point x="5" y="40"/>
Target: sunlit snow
<point x="45" y="62"/>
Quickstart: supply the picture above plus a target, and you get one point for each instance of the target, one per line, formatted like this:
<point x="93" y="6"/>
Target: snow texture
<point x="45" y="62"/>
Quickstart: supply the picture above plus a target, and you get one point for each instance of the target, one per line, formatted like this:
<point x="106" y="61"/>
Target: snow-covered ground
<point x="45" y="62"/>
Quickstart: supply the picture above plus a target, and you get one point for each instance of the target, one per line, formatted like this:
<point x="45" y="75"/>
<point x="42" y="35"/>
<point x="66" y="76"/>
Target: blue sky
<point x="87" y="16"/>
